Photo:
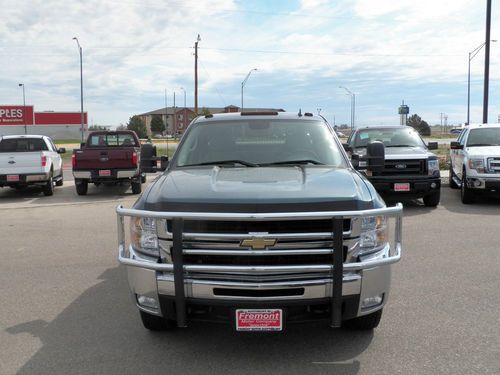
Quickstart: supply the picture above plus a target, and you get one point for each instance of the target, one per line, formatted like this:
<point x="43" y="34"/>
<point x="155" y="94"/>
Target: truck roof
<point x="234" y="116"/>
<point x="22" y="136"/>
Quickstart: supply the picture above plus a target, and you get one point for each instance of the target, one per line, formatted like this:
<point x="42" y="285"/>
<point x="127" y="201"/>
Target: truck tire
<point x="453" y="184"/>
<point x="81" y="187"/>
<point x="136" y="187"/>
<point x="156" y="323"/>
<point x="366" y="322"/>
<point x="432" y="200"/>
<point x="48" y="189"/>
<point x="466" y="194"/>
<point x="60" y="182"/>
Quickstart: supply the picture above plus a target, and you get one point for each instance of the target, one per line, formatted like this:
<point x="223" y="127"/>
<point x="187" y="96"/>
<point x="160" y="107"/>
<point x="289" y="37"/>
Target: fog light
<point x="477" y="183"/>
<point x="372" y="301"/>
<point x="433" y="185"/>
<point x="147" y="302"/>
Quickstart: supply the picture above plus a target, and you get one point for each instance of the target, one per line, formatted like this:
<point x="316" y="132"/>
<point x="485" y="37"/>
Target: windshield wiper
<point x="480" y="144"/>
<point x="301" y="161"/>
<point x="223" y="162"/>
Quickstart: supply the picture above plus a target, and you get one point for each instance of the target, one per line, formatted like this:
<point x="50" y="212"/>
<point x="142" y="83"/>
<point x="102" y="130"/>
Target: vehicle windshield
<point x="390" y="137"/>
<point x="259" y="143"/>
<point x="110" y="140"/>
<point x="484" y="137"/>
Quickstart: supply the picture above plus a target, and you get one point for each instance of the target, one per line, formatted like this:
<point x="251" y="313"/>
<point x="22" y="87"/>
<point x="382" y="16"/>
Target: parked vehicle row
<point x="107" y="157"/>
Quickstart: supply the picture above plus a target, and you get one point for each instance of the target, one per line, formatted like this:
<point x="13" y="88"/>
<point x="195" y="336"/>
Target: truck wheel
<point x="365" y="322"/>
<point x="432" y="200"/>
<point x="48" y="189"/>
<point x="156" y="323"/>
<point x="453" y="184"/>
<point x="143" y="178"/>
<point x="466" y="194"/>
<point x="81" y="187"/>
<point x="61" y="181"/>
<point x="136" y="187"/>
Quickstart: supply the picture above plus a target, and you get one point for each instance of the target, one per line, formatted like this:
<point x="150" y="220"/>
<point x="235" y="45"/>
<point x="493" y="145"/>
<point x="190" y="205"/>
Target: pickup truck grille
<point x="494" y="165"/>
<point x="404" y="167"/>
<point x="297" y="243"/>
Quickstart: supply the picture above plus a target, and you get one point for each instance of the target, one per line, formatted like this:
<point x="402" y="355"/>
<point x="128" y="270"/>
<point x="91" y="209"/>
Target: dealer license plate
<point x="402" y="186"/>
<point x="104" y="173"/>
<point x="13" y="177"/>
<point x="259" y="320"/>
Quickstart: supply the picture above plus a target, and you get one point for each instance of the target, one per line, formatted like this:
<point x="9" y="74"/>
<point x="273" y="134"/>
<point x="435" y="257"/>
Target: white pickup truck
<point x="30" y="160"/>
<point x="475" y="161"/>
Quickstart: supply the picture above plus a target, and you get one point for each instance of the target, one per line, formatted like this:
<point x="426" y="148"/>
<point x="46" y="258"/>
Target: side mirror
<point x="456" y="145"/>
<point x="355" y="161"/>
<point x="82" y="145"/>
<point x="61" y="150"/>
<point x="347" y="148"/>
<point x="375" y="154"/>
<point x="163" y="163"/>
<point x="432" y="146"/>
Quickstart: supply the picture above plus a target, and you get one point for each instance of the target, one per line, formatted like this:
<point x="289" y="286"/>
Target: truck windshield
<point x="110" y="140"/>
<point x="259" y="143"/>
<point x="23" y="145"/>
<point x="484" y="137"/>
<point x="390" y="137"/>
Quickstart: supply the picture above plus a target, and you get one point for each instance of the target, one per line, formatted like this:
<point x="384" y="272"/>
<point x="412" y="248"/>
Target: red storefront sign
<point x="16" y="115"/>
<point x="60" y="118"/>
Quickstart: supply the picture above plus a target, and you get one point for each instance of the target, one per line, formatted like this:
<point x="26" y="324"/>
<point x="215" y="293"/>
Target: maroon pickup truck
<point x="111" y="156"/>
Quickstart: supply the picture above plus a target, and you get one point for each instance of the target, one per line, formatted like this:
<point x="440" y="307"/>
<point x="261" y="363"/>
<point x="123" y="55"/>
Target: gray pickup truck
<point x="409" y="170"/>
<point x="260" y="221"/>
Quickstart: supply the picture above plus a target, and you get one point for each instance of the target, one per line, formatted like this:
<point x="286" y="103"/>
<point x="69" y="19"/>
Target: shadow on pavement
<point x="101" y="333"/>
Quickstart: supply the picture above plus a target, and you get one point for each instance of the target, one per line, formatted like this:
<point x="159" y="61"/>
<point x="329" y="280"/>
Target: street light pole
<point x="353" y="105"/>
<point x="472" y="54"/>
<point x="182" y="88"/>
<point x="196" y="75"/>
<point x="487" y="63"/>
<point x="243" y="85"/>
<point x="24" y="110"/>
<point x="81" y="85"/>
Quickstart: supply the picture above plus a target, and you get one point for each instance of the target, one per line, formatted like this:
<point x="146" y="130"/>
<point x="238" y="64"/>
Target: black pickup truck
<point x="260" y="220"/>
<point x="409" y="170"/>
<point x="112" y="157"/>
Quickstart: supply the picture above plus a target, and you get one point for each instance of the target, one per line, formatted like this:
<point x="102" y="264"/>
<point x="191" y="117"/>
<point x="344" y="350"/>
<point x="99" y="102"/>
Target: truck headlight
<point x="143" y="236"/>
<point x="477" y="164"/>
<point x="373" y="234"/>
<point x="432" y="166"/>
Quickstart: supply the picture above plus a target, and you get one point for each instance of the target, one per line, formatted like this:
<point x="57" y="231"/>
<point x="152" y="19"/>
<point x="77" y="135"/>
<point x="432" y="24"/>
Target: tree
<point x="205" y="111"/>
<point x="419" y="125"/>
<point x="136" y="124"/>
<point x="157" y="125"/>
<point x="121" y="127"/>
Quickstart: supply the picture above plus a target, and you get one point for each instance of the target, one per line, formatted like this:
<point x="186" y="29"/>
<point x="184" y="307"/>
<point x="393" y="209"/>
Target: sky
<point x="383" y="51"/>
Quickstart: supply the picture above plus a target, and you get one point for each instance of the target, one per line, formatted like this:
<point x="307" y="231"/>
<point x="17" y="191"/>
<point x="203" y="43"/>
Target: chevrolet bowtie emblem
<point x="258" y="243"/>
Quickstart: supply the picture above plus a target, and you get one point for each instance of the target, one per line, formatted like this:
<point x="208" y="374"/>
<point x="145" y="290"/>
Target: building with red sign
<point x="18" y="119"/>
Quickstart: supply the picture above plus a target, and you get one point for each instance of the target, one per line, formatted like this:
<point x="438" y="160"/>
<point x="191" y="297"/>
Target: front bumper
<point x="173" y="292"/>
<point x="484" y="183"/>
<point x="419" y="186"/>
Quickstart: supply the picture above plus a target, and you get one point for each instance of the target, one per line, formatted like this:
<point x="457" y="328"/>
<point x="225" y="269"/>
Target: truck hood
<point x="392" y="153"/>
<point x="484" y="151"/>
<point x="260" y="189"/>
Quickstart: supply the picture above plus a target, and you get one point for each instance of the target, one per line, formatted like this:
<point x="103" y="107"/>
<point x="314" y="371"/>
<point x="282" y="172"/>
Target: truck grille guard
<point x="336" y="267"/>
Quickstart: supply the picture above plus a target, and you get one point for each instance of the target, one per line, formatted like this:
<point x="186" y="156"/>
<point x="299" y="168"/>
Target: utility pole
<point x="24" y="110"/>
<point x="166" y="118"/>
<point x="81" y="85"/>
<point x="175" y="117"/>
<point x="487" y="62"/>
<point x="195" y="76"/>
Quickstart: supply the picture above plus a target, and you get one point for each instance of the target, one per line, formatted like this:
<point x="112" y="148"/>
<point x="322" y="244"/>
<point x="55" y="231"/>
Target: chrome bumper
<point x="366" y="278"/>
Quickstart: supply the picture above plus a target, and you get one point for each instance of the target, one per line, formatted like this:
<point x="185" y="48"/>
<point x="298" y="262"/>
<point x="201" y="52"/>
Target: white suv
<point x="475" y="161"/>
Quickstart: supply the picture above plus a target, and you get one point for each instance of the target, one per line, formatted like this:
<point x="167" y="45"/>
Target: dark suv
<point x="409" y="170"/>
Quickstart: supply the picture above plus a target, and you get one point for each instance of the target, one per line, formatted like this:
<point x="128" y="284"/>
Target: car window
<point x="462" y="137"/>
<point x="260" y="142"/>
<point x="23" y="145"/>
<point x="110" y="140"/>
<point x="390" y="137"/>
<point x="483" y="137"/>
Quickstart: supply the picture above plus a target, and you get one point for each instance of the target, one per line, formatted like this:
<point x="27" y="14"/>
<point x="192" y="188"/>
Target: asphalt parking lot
<point x="66" y="308"/>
